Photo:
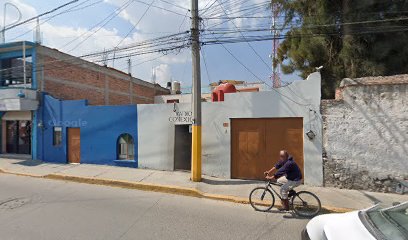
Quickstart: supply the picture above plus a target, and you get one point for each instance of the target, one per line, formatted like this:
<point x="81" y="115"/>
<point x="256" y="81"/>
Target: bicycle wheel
<point x="262" y="199"/>
<point x="306" y="204"/>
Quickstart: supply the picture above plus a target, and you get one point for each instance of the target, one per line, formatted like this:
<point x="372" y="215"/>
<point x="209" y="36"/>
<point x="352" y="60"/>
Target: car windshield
<point x="391" y="222"/>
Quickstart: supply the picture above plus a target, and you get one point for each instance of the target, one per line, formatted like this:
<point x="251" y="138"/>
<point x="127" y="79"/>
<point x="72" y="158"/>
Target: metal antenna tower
<point x="153" y="75"/>
<point x="37" y="33"/>
<point x="129" y="62"/>
<point x="105" y="58"/>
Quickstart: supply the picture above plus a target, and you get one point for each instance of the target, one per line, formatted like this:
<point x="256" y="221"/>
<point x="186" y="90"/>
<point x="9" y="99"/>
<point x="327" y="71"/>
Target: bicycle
<point x="302" y="203"/>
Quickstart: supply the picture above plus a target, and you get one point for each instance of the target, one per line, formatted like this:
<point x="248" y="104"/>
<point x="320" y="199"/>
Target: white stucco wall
<point x="300" y="99"/>
<point x="10" y="100"/>
<point x="183" y="98"/>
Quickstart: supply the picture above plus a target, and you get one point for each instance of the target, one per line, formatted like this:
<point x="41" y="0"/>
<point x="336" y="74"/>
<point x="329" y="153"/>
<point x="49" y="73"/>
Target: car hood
<point x="338" y="227"/>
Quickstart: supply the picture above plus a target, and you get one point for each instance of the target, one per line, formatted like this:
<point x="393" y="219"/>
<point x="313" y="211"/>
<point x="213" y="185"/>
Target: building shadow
<point x="29" y="162"/>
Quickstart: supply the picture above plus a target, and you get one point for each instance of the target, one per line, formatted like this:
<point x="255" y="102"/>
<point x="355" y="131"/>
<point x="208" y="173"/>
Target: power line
<point x="105" y="21"/>
<point x="38" y="16"/>
<point x="164" y="9"/>
<point x="260" y="79"/>
<point x="150" y="46"/>
<point x="247" y="12"/>
<point x="260" y="6"/>
<point x="206" y="67"/>
<point x="293" y="36"/>
<point x="134" y="26"/>
<point x="256" y="53"/>
<point x="175" y="5"/>
<point x="177" y="41"/>
<point x="207" y="8"/>
<point x="72" y="9"/>
<point x="74" y="62"/>
<point x="336" y="24"/>
<point x="234" y="3"/>
<point x="183" y="21"/>
<point x="163" y="41"/>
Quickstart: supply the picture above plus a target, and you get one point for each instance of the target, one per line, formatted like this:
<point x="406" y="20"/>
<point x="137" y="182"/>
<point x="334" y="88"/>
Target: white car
<point x="372" y="224"/>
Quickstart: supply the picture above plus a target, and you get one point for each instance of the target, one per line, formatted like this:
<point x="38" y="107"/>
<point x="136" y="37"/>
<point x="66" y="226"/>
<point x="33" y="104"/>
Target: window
<point x="12" y="73"/>
<point x="126" y="147"/>
<point x="57" y="136"/>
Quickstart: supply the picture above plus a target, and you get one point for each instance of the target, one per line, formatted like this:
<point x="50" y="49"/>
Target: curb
<point x="128" y="185"/>
<point x="191" y="192"/>
<point x="20" y="174"/>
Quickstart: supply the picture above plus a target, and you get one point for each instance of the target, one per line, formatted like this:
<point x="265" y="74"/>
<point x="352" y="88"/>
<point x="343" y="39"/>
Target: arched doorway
<point x="126" y="147"/>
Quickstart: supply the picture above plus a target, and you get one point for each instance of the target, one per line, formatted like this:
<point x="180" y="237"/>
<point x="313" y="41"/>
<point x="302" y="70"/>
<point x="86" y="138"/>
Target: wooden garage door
<point x="255" y="144"/>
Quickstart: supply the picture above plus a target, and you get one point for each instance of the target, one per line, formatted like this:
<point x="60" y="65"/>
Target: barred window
<point x="57" y="136"/>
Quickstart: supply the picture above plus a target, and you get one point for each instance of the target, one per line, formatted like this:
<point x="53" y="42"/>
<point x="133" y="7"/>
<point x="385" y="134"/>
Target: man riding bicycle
<point x="288" y="174"/>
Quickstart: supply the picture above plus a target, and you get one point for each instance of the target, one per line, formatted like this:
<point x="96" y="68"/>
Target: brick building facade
<point x="68" y="78"/>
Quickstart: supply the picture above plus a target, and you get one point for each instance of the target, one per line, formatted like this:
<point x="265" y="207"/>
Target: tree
<point x="350" y="38"/>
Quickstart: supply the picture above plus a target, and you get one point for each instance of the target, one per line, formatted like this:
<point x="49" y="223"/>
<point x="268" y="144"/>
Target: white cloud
<point x="163" y="74"/>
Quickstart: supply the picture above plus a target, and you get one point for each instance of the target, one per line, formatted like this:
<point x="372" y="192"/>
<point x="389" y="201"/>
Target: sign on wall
<point x="182" y="117"/>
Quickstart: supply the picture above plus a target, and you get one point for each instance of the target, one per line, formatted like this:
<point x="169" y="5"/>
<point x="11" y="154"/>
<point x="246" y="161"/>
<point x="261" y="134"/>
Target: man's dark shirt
<point x="289" y="169"/>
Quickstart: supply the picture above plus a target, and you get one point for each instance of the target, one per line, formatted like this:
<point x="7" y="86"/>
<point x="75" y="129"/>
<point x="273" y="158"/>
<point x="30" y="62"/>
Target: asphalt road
<point x="32" y="208"/>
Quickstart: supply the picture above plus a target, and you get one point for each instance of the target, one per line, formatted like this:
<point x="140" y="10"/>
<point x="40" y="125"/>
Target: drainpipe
<point x="24" y="65"/>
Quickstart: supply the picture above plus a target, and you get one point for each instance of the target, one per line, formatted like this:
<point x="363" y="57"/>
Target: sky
<point x="78" y="33"/>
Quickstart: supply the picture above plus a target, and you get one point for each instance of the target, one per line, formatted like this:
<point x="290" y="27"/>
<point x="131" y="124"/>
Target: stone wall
<point x="365" y="137"/>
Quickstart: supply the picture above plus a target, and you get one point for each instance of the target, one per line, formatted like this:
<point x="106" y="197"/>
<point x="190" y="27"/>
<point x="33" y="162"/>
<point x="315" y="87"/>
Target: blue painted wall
<point x="1" y="129"/>
<point x="100" y="127"/>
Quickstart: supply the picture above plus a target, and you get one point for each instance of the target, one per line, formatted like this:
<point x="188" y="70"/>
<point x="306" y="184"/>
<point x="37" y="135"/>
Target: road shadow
<point x="229" y="182"/>
<point x="372" y="198"/>
<point x="287" y="214"/>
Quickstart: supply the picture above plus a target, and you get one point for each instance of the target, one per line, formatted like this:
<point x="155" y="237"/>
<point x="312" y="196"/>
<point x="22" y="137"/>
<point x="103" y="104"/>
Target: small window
<point x="126" y="147"/>
<point x="57" y="136"/>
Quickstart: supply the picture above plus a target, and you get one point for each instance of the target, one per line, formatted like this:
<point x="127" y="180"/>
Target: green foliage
<point x="350" y="38"/>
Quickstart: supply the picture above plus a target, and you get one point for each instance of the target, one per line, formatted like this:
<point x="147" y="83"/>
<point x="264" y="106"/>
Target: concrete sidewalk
<point x="178" y="182"/>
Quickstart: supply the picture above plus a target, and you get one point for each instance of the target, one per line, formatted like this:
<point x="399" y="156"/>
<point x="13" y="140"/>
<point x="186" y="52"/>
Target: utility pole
<point x="196" y="107"/>
<point x="276" y="81"/>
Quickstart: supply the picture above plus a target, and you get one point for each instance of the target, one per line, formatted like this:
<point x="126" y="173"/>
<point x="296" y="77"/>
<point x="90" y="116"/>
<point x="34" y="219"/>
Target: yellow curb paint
<point x="126" y="184"/>
<point x="191" y="192"/>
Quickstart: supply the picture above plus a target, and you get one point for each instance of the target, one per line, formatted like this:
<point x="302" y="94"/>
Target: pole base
<point x="196" y="154"/>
